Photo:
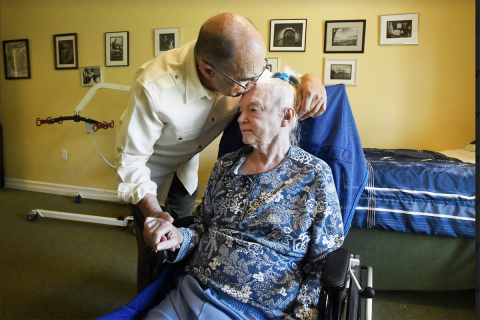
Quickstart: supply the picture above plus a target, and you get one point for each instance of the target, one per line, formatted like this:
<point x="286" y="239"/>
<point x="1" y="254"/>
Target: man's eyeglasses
<point x="250" y="81"/>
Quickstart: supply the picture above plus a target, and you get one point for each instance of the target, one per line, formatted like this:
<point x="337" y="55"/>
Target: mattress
<point x="418" y="191"/>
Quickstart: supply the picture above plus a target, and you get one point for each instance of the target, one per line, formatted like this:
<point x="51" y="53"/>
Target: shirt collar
<point x="194" y="88"/>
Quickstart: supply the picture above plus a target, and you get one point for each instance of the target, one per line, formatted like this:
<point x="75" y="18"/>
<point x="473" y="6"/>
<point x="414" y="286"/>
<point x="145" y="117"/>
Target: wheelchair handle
<point x="368" y="292"/>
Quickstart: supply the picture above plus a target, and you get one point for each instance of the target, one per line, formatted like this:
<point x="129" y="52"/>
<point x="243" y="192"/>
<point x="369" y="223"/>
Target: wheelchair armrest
<point x="335" y="270"/>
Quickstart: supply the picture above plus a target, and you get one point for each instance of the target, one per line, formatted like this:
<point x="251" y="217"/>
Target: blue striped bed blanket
<point x="417" y="191"/>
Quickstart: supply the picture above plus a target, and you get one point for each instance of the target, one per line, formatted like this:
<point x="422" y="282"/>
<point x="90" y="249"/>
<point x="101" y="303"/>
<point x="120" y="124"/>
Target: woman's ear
<point x="288" y="115"/>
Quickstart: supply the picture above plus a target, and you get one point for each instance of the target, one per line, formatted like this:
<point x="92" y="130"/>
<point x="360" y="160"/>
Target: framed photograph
<point x="17" y="59"/>
<point x="66" y="53"/>
<point x="166" y="39"/>
<point x="272" y="64"/>
<point x="91" y="75"/>
<point x="116" y="49"/>
<point x="288" y="35"/>
<point x="344" y="36"/>
<point x="399" y="29"/>
<point x="341" y="71"/>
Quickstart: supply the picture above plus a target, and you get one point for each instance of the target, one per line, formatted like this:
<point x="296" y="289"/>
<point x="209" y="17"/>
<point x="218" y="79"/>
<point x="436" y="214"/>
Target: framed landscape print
<point x="65" y="46"/>
<point x="16" y="57"/>
<point x="341" y="71"/>
<point x="166" y="39"/>
<point x="344" y="36"/>
<point x="399" y="29"/>
<point x="288" y="35"/>
<point x="116" y="49"/>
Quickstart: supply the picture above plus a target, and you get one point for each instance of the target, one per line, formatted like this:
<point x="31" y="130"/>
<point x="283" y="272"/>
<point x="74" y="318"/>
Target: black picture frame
<point x="16" y="57"/>
<point x="117" y="50"/>
<point x="66" y="52"/>
<point x="166" y="39"/>
<point x="344" y="36"/>
<point x="288" y="35"/>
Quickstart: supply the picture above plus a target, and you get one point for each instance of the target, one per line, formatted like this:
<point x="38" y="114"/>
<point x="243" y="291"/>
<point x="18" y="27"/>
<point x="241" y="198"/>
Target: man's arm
<point x="151" y="208"/>
<point x="138" y="130"/>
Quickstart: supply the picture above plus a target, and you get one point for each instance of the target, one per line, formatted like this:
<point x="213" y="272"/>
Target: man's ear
<point x="206" y="70"/>
<point x="288" y="115"/>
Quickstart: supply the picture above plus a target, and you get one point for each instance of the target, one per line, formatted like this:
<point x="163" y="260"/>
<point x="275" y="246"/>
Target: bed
<point x="415" y="221"/>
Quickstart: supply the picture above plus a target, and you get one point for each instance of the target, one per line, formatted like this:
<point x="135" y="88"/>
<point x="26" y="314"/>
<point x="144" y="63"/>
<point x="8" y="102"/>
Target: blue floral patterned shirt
<point x="262" y="239"/>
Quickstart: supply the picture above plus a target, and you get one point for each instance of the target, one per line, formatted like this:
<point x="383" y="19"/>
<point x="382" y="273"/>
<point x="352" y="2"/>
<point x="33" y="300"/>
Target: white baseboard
<point x="66" y="190"/>
<point x="62" y="189"/>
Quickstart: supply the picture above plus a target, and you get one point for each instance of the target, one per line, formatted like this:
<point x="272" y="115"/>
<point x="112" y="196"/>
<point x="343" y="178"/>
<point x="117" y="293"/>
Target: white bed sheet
<point x="460" y="154"/>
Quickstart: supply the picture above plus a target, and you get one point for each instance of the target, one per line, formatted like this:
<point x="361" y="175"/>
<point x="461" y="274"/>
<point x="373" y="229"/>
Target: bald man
<point x="180" y="102"/>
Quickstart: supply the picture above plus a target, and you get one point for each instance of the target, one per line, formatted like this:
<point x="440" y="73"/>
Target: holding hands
<point x="161" y="234"/>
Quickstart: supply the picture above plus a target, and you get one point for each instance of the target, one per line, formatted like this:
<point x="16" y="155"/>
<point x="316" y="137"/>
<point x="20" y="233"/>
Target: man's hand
<point x="311" y="97"/>
<point x="161" y="234"/>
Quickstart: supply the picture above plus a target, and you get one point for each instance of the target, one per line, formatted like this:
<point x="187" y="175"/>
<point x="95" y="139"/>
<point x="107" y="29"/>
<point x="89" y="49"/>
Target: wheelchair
<point x="332" y="137"/>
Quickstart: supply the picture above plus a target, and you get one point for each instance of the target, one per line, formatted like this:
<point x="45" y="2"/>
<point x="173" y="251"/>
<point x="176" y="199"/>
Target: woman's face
<point x="259" y="121"/>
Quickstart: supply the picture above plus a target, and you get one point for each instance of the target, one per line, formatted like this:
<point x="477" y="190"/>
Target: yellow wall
<point x="411" y="96"/>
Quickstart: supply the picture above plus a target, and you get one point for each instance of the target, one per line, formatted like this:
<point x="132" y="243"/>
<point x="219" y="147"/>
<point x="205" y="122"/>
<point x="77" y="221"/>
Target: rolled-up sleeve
<point x="139" y="128"/>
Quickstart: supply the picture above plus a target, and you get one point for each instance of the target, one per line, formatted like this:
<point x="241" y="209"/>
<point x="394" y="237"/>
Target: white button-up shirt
<point x="170" y="118"/>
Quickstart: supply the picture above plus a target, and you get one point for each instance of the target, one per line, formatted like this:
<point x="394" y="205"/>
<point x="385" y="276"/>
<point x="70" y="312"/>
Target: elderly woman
<point x="268" y="218"/>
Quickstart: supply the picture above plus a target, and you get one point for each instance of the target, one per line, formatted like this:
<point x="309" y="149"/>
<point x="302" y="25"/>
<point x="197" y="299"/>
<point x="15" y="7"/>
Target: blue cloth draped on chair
<point x="332" y="137"/>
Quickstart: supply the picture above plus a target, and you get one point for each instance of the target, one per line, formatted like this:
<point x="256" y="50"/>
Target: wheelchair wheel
<point x="32" y="216"/>
<point x="331" y="306"/>
<point x="324" y="305"/>
<point x="78" y="198"/>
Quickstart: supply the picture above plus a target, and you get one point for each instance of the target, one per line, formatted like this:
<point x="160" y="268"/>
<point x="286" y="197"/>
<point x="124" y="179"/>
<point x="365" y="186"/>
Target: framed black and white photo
<point x="272" y="64"/>
<point x="116" y="49"/>
<point x="166" y="39"/>
<point x="344" y="36"/>
<point x="17" y="59"/>
<point x="288" y="35"/>
<point x="65" y="46"/>
<point x="399" y="29"/>
<point x="91" y="76"/>
<point x="341" y="71"/>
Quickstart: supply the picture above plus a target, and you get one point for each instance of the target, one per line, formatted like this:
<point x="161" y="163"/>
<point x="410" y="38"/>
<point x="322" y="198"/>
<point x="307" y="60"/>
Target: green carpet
<point x="57" y="269"/>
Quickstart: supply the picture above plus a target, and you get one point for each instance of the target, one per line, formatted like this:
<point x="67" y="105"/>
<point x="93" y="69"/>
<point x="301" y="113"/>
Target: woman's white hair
<point x="283" y="95"/>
